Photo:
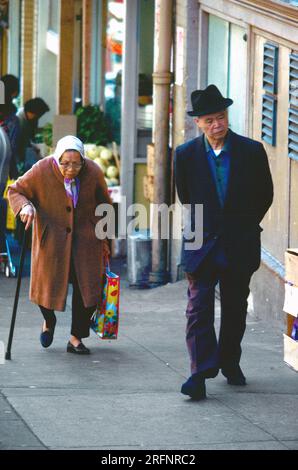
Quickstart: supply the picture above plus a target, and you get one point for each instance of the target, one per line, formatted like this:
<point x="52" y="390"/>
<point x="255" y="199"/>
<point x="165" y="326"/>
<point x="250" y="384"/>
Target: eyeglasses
<point x="71" y="164"/>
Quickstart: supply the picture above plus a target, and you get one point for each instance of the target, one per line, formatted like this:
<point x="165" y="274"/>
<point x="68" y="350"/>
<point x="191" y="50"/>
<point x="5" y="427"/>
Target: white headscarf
<point x="70" y="142"/>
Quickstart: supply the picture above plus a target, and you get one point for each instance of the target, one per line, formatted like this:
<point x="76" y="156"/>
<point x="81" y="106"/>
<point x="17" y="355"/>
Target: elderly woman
<point x="60" y="193"/>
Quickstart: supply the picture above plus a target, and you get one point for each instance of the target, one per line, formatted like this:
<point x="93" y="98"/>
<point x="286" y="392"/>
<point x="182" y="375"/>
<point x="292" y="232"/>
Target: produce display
<point x="106" y="160"/>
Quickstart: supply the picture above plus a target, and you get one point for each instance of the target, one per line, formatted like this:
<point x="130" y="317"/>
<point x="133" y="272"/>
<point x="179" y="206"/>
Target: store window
<point x="54" y="16"/>
<point x="145" y="70"/>
<point x="291" y="2"/>
<point x="113" y="67"/>
<point x="52" y="38"/>
<point x="227" y="66"/>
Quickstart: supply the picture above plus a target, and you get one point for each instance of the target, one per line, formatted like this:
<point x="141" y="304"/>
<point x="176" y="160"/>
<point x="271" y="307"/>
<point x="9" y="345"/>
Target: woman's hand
<point x="27" y="215"/>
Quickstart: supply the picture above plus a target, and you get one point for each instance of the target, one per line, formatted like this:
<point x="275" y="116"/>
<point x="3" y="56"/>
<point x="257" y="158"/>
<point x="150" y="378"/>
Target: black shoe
<point x="195" y="387"/>
<point x="80" y="349"/>
<point x="46" y="337"/>
<point x="234" y="376"/>
<point x="210" y="373"/>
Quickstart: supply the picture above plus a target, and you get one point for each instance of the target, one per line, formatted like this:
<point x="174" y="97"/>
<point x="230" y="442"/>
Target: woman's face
<point x="70" y="163"/>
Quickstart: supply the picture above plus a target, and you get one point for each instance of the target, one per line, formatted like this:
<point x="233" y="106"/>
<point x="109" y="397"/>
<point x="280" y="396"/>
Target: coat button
<point x="68" y="208"/>
<point x="68" y="229"/>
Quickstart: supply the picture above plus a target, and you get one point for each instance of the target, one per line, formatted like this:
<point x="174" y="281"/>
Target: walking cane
<point x="16" y="299"/>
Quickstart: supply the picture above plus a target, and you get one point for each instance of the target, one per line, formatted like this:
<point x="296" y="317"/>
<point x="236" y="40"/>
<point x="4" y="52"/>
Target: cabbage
<point x="106" y="154"/>
<point x="112" y="172"/>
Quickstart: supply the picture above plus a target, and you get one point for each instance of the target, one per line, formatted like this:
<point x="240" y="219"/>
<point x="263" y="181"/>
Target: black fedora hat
<point x="208" y="101"/>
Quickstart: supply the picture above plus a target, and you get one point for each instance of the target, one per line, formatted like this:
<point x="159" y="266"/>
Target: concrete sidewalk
<point x="126" y="394"/>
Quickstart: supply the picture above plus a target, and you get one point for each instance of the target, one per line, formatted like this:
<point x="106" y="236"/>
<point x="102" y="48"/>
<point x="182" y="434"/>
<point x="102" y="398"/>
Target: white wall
<point x="14" y="37"/>
<point x="46" y="80"/>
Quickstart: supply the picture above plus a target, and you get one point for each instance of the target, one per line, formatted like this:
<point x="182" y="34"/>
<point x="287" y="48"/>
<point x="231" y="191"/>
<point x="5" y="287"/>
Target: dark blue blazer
<point x="249" y="196"/>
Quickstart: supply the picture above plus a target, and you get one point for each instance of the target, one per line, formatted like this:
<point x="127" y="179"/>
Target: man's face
<point x="31" y="116"/>
<point x="215" y="125"/>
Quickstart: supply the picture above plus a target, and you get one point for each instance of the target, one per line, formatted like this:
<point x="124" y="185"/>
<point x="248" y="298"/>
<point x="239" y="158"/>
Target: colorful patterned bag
<point x="105" y="320"/>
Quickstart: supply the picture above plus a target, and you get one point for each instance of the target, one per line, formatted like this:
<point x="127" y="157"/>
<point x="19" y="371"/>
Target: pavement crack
<point x="250" y="421"/>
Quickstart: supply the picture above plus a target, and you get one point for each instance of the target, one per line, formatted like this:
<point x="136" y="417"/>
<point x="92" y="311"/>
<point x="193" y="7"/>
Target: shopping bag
<point x="105" y="320"/>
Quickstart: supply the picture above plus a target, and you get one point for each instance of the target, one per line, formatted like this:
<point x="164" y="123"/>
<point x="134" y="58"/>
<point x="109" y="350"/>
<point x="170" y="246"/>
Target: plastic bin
<point x="139" y="258"/>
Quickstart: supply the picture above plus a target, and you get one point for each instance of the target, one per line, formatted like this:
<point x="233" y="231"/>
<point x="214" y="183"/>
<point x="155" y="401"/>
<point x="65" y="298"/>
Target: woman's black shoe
<point x="80" y="349"/>
<point x="46" y="337"/>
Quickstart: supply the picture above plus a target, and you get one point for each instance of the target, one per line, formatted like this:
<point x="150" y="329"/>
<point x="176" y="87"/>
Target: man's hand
<point x="27" y="215"/>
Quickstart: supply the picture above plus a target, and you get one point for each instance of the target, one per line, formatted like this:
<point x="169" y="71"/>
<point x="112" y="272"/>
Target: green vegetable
<point x="38" y="138"/>
<point x="44" y="135"/>
<point x="92" y="125"/>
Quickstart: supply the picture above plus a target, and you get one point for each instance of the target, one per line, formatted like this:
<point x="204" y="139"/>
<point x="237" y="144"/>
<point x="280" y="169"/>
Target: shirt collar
<point x="226" y="147"/>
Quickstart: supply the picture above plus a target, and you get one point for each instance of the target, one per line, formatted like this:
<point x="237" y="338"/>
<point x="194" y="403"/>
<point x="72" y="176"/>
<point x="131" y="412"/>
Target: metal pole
<point x="162" y="80"/>
<point x="16" y="299"/>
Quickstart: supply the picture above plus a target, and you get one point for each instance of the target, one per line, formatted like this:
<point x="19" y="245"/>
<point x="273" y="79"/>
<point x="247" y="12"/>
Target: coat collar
<point x="226" y="147"/>
<point x="203" y="167"/>
<point x="56" y="171"/>
<point x="235" y="166"/>
<point x="204" y="171"/>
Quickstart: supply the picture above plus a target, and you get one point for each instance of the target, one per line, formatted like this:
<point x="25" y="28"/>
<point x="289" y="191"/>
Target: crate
<point x="291" y="264"/>
<point x="291" y="352"/>
<point x="291" y="307"/>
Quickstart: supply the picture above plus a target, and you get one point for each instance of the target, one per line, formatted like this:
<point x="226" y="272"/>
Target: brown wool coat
<point x="60" y="230"/>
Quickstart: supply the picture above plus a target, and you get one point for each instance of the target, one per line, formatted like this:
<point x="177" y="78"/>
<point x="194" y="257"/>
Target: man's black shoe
<point x="234" y="376"/>
<point x="195" y="387"/>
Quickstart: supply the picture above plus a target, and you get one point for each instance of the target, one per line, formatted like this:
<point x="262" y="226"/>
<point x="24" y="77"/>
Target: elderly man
<point x="229" y="175"/>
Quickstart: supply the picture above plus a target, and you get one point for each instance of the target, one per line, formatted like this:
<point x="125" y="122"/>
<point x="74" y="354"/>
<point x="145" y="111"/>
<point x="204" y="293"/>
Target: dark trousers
<point x="80" y="326"/>
<point x="207" y="354"/>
